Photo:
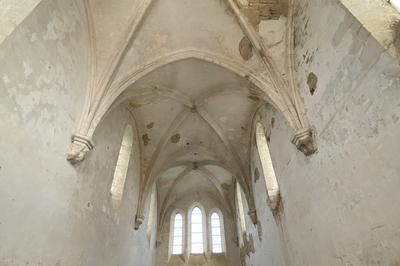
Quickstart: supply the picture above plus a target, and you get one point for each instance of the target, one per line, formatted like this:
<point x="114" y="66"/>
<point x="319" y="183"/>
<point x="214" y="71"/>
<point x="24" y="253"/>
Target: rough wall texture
<point x="12" y="13"/>
<point x="53" y="213"/>
<point x="106" y="236"/>
<point x="340" y="205"/>
<point x="267" y="235"/>
<point x="383" y="25"/>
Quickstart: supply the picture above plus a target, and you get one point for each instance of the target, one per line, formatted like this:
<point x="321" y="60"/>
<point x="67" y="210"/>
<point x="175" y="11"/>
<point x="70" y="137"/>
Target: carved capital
<point x="273" y="199"/>
<point x="253" y="216"/>
<point x="248" y="246"/>
<point x="80" y="145"/>
<point x="304" y="140"/>
<point x="138" y="221"/>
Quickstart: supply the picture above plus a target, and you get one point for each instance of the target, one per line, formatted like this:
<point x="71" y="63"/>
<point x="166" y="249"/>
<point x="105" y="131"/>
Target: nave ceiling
<point x="192" y="74"/>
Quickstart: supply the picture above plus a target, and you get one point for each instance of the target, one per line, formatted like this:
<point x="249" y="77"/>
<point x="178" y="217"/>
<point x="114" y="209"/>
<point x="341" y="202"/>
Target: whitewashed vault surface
<point x="193" y="75"/>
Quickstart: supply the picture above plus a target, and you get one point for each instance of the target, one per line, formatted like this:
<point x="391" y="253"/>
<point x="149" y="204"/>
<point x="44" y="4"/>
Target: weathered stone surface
<point x="192" y="81"/>
<point x="245" y="48"/>
<point x="338" y="196"/>
<point x="12" y="13"/>
<point x="54" y="213"/>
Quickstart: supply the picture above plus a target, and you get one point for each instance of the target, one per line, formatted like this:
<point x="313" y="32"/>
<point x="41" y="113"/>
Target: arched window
<point x="177" y="235"/>
<point x="121" y="169"/>
<point x="217" y="236"/>
<point x="196" y="230"/>
<point x="267" y="167"/>
<point x="240" y="208"/>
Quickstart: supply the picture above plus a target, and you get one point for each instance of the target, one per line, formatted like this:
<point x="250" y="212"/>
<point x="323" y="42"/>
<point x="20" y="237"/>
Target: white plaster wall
<point x="12" y="13"/>
<point x="340" y="206"/>
<point x="43" y="75"/>
<point x="381" y="19"/>
<point x="107" y="237"/>
<point x="51" y="212"/>
<point x="267" y="236"/>
<point x="268" y="241"/>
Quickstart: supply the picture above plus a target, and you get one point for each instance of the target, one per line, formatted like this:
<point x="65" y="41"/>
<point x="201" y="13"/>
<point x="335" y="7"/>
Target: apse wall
<point x="209" y="202"/>
<point x="53" y="213"/>
<point x="339" y="206"/>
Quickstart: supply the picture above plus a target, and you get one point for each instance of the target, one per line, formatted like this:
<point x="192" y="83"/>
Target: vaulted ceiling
<point x="194" y="119"/>
<point x="192" y="74"/>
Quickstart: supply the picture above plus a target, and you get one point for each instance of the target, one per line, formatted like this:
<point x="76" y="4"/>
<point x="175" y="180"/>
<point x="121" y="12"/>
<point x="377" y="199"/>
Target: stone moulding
<point x="274" y="200"/>
<point x="246" y="248"/>
<point x="304" y="139"/>
<point x="105" y="88"/>
<point x="271" y="95"/>
<point x="253" y="216"/>
<point x="79" y="146"/>
<point x="99" y="81"/>
<point x="138" y="221"/>
<point x="288" y="90"/>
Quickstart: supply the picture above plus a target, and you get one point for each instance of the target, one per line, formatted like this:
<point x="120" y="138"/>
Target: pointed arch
<point x="197" y="233"/>
<point x="271" y="183"/>
<point x="272" y="87"/>
<point x="217" y="231"/>
<point x="82" y="141"/>
<point x="177" y="233"/>
<point x="121" y="168"/>
<point x="260" y="81"/>
<point x="167" y="203"/>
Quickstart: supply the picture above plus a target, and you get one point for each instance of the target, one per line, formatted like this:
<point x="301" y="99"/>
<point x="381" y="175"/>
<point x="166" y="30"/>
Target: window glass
<point x="121" y="169"/>
<point x="216" y="236"/>
<point x="197" y="231"/>
<point x="271" y="182"/>
<point x="177" y="241"/>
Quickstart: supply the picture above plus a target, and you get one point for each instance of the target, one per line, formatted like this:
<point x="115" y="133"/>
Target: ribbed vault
<point x="192" y="75"/>
<point x="194" y="119"/>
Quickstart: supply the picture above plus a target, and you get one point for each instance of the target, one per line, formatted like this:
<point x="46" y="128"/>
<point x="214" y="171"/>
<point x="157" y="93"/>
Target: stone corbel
<point x="79" y="146"/>
<point x="138" y="221"/>
<point x="253" y="216"/>
<point x="304" y="140"/>
<point x="247" y="248"/>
